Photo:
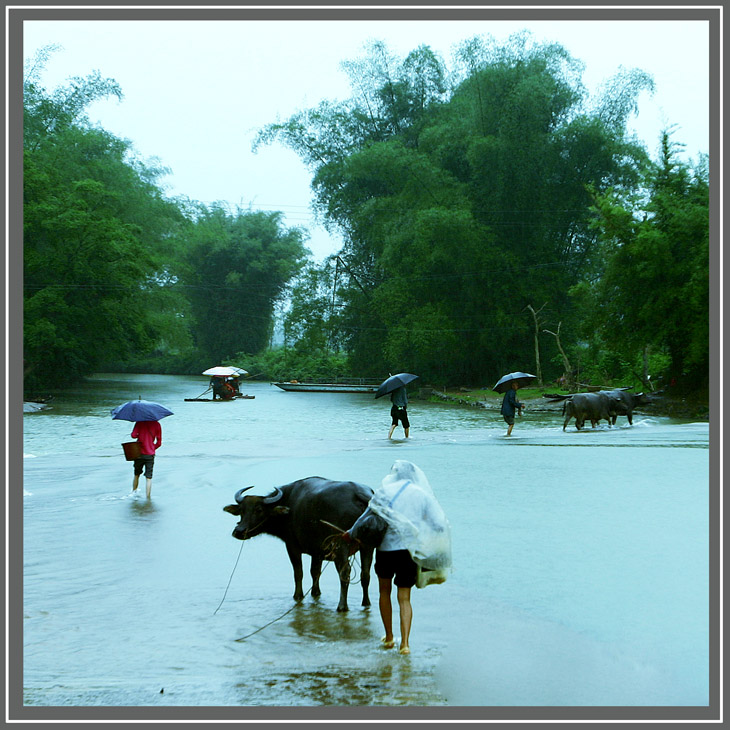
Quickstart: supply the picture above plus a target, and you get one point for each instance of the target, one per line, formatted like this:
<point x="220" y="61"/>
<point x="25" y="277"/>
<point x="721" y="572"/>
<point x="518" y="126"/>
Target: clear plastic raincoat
<point x="407" y="503"/>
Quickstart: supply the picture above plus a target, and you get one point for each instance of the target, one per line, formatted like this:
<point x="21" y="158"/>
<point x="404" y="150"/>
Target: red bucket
<point x="132" y="450"/>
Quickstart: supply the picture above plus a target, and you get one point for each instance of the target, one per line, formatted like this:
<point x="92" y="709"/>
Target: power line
<point x="521" y="268"/>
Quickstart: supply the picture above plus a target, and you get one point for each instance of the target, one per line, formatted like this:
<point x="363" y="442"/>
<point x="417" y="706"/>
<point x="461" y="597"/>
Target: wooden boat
<point x="353" y="385"/>
<point x="33" y="406"/>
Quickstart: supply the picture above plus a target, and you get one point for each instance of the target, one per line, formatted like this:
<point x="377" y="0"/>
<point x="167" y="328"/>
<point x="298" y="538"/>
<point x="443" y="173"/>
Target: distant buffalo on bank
<point x="623" y="403"/>
<point x="605" y="405"/>
<point x="583" y="407"/>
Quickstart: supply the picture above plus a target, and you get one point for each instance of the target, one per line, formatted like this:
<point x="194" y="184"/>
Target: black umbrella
<point x="505" y="382"/>
<point x="394" y="382"/>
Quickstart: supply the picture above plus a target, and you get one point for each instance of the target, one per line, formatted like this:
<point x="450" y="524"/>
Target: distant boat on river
<point x="337" y="385"/>
<point x="33" y="406"/>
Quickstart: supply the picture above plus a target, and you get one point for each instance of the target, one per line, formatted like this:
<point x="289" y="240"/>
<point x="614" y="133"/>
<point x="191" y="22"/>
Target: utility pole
<point x="350" y="272"/>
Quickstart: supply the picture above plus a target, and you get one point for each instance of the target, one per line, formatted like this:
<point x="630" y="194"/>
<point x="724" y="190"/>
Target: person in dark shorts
<point x="396" y="566"/>
<point x="510" y="405"/>
<point x="149" y="435"/>
<point x="399" y="410"/>
<point x="412" y="539"/>
<point x="393" y="564"/>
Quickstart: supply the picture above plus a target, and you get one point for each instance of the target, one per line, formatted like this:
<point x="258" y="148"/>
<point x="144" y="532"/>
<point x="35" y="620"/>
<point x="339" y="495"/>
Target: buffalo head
<point x="254" y="512"/>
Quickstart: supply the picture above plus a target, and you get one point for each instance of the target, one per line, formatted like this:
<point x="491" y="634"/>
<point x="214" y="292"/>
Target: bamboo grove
<point x="494" y="217"/>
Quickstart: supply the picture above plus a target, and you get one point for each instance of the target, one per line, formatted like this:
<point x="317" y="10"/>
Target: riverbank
<point x="661" y="405"/>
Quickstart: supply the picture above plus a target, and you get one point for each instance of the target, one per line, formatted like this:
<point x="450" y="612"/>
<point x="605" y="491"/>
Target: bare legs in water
<point x="386" y="614"/>
<point x="148" y="487"/>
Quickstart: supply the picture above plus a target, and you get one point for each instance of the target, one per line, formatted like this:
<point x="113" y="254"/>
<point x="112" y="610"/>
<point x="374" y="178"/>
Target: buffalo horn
<point x="275" y="497"/>
<point x="240" y="492"/>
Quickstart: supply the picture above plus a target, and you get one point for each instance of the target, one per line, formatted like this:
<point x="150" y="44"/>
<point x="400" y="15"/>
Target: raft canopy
<point x="225" y="371"/>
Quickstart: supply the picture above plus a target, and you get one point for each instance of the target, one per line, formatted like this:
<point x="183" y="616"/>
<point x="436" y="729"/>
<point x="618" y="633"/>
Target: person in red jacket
<point x="149" y="435"/>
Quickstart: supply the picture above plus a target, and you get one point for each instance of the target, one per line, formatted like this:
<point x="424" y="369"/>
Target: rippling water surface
<point x="580" y="558"/>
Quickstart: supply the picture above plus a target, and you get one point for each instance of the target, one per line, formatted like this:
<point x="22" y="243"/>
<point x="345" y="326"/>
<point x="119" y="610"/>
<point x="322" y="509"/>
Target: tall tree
<point x="461" y="204"/>
<point x="312" y="319"/>
<point x="239" y="266"/>
<point x="93" y="221"/>
<point x="653" y="286"/>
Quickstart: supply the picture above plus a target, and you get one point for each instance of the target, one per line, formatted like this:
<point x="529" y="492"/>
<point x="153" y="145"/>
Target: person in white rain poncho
<point x="413" y="539"/>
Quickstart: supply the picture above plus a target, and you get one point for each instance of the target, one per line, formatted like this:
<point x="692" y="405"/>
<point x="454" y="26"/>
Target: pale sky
<point x="196" y="92"/>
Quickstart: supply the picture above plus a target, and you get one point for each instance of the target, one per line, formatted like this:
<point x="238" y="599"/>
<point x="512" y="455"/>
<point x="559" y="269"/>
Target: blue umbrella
<point x="140" y="410"/>
<point x="505" y="382"/>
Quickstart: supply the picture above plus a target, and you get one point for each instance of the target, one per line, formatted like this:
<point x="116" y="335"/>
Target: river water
<point x="580" y="558"/>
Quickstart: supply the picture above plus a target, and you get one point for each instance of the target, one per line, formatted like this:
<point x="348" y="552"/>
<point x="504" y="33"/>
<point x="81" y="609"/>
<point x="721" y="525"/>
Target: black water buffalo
<point x="294" y="513"/>
<point x="588" y="407"/>
<point x="623" y="403"/>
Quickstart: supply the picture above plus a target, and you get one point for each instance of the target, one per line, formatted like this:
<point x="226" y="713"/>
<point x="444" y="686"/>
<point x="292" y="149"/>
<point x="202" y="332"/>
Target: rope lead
<point x="329" y="545"/>
<point x="230" y="579"/>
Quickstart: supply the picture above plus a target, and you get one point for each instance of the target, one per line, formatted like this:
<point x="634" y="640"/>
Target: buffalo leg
<point x="568" y="412"/>
<point x="316" y="571"/>
<point x="366" y="560"/>
<point x="343" y="569"/>
<point x="296" y="563"/>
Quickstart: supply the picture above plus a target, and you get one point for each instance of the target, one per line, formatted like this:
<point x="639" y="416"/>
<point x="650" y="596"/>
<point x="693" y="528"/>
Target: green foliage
<point x="281" y="364"/>
<point x="311" y="322"/>
<point x="652" y="287"/>
<point x="91" y="224"/>
<point x="167" y="362"/>
<point x="462" y="198"/>
<point x="116" y="275"/>
<point x="238" y="267"/>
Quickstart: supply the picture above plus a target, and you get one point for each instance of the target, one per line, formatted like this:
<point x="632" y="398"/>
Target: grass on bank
<point x="474" y="395"/>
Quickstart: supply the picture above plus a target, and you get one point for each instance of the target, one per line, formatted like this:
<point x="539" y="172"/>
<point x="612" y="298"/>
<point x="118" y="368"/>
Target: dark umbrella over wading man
<point x="396" y="386"/>
<point x="146" y="417"/>
<point x="508" y="384"/>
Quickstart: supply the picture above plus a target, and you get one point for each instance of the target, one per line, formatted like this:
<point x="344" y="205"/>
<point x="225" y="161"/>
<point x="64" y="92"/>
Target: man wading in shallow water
<point x="399" y="410"/>
<point x="510" y="404"/>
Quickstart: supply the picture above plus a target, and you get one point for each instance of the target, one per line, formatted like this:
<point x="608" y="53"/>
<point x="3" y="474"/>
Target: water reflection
<point x="323" y="623"/>
<point x="143" y="507"/>
<point x="347" y="682"/>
